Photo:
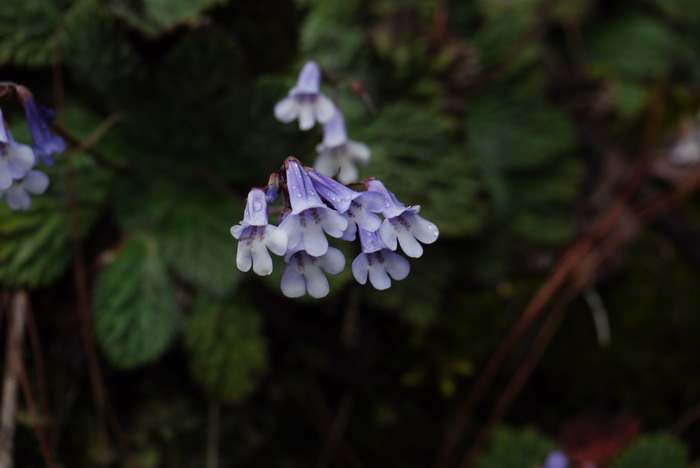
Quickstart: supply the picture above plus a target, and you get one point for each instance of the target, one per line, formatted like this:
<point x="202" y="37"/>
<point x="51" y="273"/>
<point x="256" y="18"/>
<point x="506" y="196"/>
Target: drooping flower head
<point x="45" y="142"/>
<point x="304" y="272"/>
<point x="255" y="236"/>
<point x="338" y="155"/>
<point x="15" y="159"/>
<point x="378" y="262"/>
<point x="402" y="223"/>
<point x="17" y="194"/>
<point x="305" y="100"/>
<point x="310" y="217"/>
<point x="556" y="459"/>
<point x="358" y="207"/>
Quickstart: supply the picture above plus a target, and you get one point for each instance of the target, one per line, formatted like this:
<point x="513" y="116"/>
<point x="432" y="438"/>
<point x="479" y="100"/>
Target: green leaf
<point x="654" y="451"/>
<point x="227" y="348"/>
<point x="516" y="449"/>
<point x="28" y="29"/>
<point x="633" y="46"/>
<point x="155" y="17"/>
<point x="192" y="228"/>
<point x="136" y="314"/>
<point x="34" y="248"/>
<point x="413" y="155"/>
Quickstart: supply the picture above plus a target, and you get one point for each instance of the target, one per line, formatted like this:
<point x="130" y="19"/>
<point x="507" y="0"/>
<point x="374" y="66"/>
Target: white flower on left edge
<point x="305" y="100"/>
<point x="18" y="194"/>
<point x="255" y="236"/>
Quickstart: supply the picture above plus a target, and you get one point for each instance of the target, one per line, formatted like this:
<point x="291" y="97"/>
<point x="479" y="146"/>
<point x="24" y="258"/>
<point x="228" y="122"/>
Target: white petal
<point x="22" y="156"/>
<point x="409" y="244"/>
<point x="315" y="242"/>
<point x="287" y="110"/>
<point x="262" y="262"/>
<point x="350" y="233"/>
<point x="325" y="109"/>
<point x="290" y="226"/>
<point x="36" y="182"/>
<point x="244" y="259"/>
<point x="237" y="230"/>
<point x="424" y="230"/>
<point x="360" y="268"/>
<point x="378" y="277"/>
<point x="348" y="172"/>
<point x="387" y="233"/>
<point x="316" y="282"/>
<point x="333" y="262"/>
<point x="275" y="239"/>
<point x="333" y="222"/>
<point x="358" y="152"/>
<point x="368" y="221"/>
<point x="5" y="175"/>
<point x="18" y="198"/>
<point x="292" y="284"/>
<point x="327" y="164"/>
<point x="397" y="266"/>
<point x="306" y="116"/>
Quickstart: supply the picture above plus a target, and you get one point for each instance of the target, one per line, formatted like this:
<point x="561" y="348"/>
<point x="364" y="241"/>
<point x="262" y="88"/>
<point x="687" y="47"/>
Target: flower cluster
<point x="316" y="206"/>
<point x="337" y="155"/>
<point x="18" y="178"/>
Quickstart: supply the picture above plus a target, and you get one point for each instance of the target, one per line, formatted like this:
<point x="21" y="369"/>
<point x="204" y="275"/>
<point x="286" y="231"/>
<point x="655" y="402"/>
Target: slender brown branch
<point x="561" y="272"/>
<point x="38" y="355"/>
<point x="15" y="332"/>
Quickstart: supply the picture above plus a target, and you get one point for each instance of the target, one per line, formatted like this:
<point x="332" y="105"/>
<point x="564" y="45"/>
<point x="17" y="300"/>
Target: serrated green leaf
<point x="227" y="348"/>
<point x="28" y="29"/>
<point x="134" y="306"/>
<point x="516" y="449"/>
<point x="654" y="451"/>
<point x="633" y="46"/>
<point x="155" y="17"/>
<point x="412" y="154"/>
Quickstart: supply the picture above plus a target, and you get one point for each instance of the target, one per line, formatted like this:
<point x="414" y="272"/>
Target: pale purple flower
<point x="15" y="158"/>
<point x="17" y="195"/>
<point x="255" y="236"/>
<point x="38" y="117"/>
<point x="305" y="100"/>
<point x="304" y="273"/>
<point x="378" y="262"/>
<point x="356" y="206"/>
<point x="556" y="459"/>
<point x="309" y="218"/>
<point x="403" y="223"/>
<point x="4" y="137"/>
<point x="338" y="155"/>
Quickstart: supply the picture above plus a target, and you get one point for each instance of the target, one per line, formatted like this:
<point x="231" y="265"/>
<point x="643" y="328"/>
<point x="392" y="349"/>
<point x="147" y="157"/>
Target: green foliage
<point x="519" y="141"/>
<point x="99" y="54"/>
<point x="28" y="32"/>
<point x="516" y="449"/>
<point x="34" y="248"/>
<point x="633" y="46"/>
<point x="228" y="349"/>
<point x="155" y="17"/>
<point x="412" y="154"/>
<point x="136" y="314"/>
<point x="330" y="36"/>
<point x="653" y="451"/>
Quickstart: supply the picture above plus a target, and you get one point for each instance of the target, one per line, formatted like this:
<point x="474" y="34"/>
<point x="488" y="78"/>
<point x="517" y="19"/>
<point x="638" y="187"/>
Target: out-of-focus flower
<point x="358" y="207"/>
<point x="378" y="262"/>
<point x="403" y="223"/>
<point x="304" y="273"/>
<point x="15" y="158"/>
<point x="556" y="459"/>
<point x="338" y="155"/>
<point x="305" y="100"/>
<point x="255" y="236"/>
<point x="38" y="117"/>
<point x="310" y="217"/>
<point x="17" y="195"/>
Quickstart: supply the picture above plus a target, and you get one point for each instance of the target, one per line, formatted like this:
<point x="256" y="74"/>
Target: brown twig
<point x="560" y="274"/>
<point x="15" y="332"/>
